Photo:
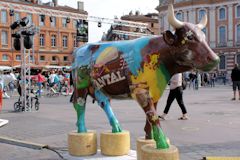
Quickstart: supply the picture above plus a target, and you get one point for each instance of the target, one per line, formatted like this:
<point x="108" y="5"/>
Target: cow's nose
<point x="213" y="63"/>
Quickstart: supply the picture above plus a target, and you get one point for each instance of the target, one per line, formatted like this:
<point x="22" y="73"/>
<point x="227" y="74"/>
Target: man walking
<point x="176" y="92"/>
<point x="235" y="76"/>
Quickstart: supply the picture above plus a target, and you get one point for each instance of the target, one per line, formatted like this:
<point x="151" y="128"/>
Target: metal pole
<point x="23" y="75"/>
<point x="29" y="79"/>
<point x="12" y="45"/>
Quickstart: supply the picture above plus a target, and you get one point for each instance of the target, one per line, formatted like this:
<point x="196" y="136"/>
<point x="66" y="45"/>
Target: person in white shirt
<point x="51" y="78"/>
<point x="176" y="91"/>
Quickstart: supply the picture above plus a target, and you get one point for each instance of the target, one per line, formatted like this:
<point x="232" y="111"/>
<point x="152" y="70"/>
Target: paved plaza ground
<point x="213" y="128"/>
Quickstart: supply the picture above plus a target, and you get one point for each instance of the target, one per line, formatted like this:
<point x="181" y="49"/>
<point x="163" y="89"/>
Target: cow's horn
<point x="172" y="20"/>
<point x="203" y="22"/>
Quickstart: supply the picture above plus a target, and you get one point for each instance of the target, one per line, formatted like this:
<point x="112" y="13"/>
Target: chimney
<point x="55" y="2"/>
<point x="80" y="5"/>
<point x="34" y="1"/>
<point x="40" y="2"/>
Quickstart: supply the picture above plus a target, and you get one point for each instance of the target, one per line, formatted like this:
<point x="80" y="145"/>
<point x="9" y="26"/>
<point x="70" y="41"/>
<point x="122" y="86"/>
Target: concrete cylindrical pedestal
<point x="115" y="144"/>
<point x="82" y="144"/>
<point x="149" y="152"/>
<point x="141" y="141"/>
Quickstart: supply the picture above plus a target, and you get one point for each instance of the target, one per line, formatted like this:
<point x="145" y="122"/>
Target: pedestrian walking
<point x="40" y="81"/>
<point x="235" y="76"/>
<point x="176" y="92"/>
<point x="1" y="90"/>
<point x="212" y="79"/>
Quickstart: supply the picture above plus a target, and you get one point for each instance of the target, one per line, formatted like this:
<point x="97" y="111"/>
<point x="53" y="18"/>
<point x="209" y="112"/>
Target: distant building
<point x="56" y="39"/>
<point x="223" y="28"/>
<point x="125" y="32"/>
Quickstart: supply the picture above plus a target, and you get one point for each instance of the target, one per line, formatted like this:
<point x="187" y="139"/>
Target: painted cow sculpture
<point x="138" y="69"/>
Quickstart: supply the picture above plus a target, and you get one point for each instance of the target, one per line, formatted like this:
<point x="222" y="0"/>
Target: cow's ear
<point x="168" y="37"/>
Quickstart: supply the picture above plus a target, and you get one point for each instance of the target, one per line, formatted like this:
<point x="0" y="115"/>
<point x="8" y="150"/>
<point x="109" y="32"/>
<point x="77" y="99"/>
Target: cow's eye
<point x="190" y="37"/>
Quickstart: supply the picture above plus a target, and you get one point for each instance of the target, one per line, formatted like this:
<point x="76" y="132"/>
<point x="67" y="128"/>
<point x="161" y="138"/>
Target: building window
<point x="5" y="57"/>
<point x="74" y="23"/>
<point x="222" y="35"/>
<point x="42" y="58"/>
<point x="75" y="41"/>
<point x="64" y="22"/>
<point x="65" y="41"/>
<point x="201" y="13"/>
<point x="179" y="16"/>
<point x="17" y="16"/>
<point x="41" y="40"/>
<point x="41" y="20"/>
<point x="18" y="57"/>
<point x="238" y="11"/>
<point x="238" y="59"/>
<point x="222" y="64"/>
<point x="3" y="16"/>
<point x="222" y="14"/>
<point x="177" y="1"/>
<point x="238" y="33"/>
<point x="54" y="58"/>
<point x="53" y="21"/>
<point x="29" y="16"/>
<point x="4" y="38"/>
<point x="53" y="40"/>
<point x="152" y="25"/>
<point x="65" y="58"/>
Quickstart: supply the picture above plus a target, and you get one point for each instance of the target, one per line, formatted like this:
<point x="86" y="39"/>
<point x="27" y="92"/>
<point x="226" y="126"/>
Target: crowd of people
<point x="43" y="81"/>
<point x="195" y="79"/>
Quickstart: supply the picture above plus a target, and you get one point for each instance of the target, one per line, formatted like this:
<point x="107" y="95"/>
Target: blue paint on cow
<point x="133" y="50"/>
<point x="104" y="102"/>
<point x="130" y="50"/>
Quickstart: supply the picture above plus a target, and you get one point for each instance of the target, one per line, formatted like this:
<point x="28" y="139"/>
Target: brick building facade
<point x="56" y="39"/>
<point x="121" y="32"/>
<point x="223" y="28"/>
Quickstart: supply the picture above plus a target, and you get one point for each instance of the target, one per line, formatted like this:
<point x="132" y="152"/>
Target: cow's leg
<point x="143" y="98"/>
<point x="148" y="126"/>
<point x="104" y="102"/>
<point x="79" y="102"/>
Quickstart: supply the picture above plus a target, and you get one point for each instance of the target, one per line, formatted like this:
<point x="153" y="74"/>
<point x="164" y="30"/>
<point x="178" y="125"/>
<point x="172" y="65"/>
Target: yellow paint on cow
<point x="155" y="118"/>
<point x="153" y="76"/>
<point x="107" y="55"/>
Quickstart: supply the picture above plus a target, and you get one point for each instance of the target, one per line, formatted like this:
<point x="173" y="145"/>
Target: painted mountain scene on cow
<point x="138" y="69"/>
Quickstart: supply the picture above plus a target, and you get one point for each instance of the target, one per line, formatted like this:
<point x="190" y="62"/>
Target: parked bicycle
<point x="31" y="99"/>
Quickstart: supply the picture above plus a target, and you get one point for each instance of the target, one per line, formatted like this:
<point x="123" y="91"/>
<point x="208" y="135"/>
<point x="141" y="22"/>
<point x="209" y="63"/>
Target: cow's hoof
<point x="82" y="144"/>
<point x="116" y="128"/>
<point x="141" y="141"/>
<point x="149" y="151"/>
<point x="115" y="144"/>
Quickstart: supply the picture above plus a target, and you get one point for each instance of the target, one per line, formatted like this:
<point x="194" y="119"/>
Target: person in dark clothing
<point x="71" y="84"/>
<point x="235" y="76"/>
<point x="176" y="92"/>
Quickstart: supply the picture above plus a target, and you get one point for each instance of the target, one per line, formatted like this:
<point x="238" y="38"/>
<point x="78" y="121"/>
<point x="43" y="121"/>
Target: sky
<point x="109" y="9"/>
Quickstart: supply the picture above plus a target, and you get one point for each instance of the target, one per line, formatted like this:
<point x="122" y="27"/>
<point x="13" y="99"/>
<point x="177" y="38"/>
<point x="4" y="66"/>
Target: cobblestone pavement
<point x="213" y="128"/>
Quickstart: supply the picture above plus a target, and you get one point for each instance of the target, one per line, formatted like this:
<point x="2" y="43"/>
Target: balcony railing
<point x="222" y="44"/>
<point x="237" y="43"/>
